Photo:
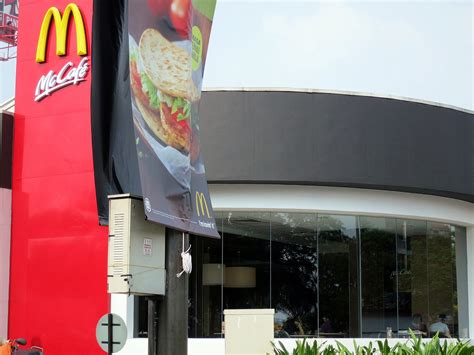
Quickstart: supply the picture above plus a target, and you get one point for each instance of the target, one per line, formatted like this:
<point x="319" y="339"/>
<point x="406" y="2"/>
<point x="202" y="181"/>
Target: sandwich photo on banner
<point x="168" y="42"/>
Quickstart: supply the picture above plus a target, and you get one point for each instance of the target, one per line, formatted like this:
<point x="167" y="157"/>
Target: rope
<point x="186" y="260"/>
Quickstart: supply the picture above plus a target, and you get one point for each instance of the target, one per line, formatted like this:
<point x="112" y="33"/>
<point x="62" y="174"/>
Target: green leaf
<point x="186" y="109"/>
<point x="343" y="350"/>
<point x="175" y="106"/>
<point x="150" y="90"/>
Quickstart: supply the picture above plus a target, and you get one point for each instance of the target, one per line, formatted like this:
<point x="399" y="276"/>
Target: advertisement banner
<point x="168" y="42"/>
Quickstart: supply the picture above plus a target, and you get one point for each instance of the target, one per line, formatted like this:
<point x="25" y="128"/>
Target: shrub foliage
<point x="414" y="345"/>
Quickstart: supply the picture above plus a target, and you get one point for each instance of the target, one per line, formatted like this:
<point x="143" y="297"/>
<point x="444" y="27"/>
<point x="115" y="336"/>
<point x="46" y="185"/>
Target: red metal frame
<point x="8" y="36"/>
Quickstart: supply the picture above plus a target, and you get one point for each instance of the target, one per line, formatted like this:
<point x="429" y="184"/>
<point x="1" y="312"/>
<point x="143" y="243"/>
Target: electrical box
<point x="136" y="252"/>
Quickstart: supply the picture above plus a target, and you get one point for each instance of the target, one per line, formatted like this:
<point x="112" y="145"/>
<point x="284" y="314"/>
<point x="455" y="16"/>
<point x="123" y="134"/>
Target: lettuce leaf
<point x="156" y="98"/>
<point x="133" y="56"/>
<point x="150" y="90"/>
<point x="181" y="104"/>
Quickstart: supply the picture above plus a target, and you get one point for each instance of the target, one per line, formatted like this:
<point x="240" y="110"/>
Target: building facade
<point x="351" y="215"/>
<point x="343" y="212"/>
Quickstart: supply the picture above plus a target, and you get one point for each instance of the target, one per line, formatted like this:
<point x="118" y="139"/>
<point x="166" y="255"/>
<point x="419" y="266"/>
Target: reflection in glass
<point x="379" y="276"/>
<point x="246" y="256"/>
<point x="205" y="287"/>
<point x="331" y="275"/>
<point x="412" y="276"/>
<point x="460" y="299"/>
<point x="441" y="278"/>
<point x="294" y="274"/>
<point x="338" y="280"/>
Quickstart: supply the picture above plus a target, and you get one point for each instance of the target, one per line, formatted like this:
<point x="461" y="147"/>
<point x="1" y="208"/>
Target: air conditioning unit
<point x="136" y="251"/>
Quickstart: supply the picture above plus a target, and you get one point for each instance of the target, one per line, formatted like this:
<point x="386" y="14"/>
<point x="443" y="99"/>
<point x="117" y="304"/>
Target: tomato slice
<point x="179" y="15"/>
<point x="136" y="79"/>
<point x="137" y="85"/>
<point x="182" y="126"/>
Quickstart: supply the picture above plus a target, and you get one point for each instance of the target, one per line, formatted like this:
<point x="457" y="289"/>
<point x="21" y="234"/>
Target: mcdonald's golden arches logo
<point x="201" y="203"/>
<point x="61" y="25"/>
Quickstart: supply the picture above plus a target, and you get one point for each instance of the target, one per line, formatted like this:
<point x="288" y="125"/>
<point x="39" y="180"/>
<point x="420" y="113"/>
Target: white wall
<point x="5" y="225"/>
<point x="341" y="200"/>
<point x="217" y="346"/>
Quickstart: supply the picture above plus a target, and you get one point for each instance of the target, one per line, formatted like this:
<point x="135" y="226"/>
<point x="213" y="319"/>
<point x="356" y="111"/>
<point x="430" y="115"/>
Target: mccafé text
<point x="68" y="75"/>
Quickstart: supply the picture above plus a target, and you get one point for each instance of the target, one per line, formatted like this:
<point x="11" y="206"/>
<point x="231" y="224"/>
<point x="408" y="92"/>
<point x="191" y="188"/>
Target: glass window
<point x="460" y="301"/>
<point x="441" y="279"/>
<point x="412" y="275"/>
<point x="246" y="257"/>
<point x="379" y="276"/>
<point x="140" y="307"/>
<point x="331" y="275"/>
<point x="294" y="274"/>
<point x="339" y="292"/>
<point x="205" y="291"/>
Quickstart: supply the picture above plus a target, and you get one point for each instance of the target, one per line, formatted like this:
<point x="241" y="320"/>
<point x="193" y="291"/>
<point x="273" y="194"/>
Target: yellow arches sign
<point x="61" y="24"/>
<point x="69" y="74"/>
<point x="201" y="203"/>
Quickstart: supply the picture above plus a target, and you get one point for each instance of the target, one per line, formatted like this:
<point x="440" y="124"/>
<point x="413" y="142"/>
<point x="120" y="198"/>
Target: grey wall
<point x="337" y="140"/>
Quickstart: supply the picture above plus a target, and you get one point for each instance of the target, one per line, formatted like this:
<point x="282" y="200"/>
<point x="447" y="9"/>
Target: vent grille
<point x="118" y="252"/>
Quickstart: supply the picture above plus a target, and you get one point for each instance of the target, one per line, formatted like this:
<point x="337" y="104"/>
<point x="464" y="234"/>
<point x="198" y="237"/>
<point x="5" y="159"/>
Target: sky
<point x="7" y="79"/>
<point x="421" y="50"/>
<point x="415" y="49"/>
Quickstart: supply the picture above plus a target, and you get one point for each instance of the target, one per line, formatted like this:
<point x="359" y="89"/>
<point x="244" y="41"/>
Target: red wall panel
<point x="58" y="285"/>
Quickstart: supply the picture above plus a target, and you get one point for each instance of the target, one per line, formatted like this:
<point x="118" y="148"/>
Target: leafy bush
<point x="302" y="348"/>
<point x="414" y="346"/>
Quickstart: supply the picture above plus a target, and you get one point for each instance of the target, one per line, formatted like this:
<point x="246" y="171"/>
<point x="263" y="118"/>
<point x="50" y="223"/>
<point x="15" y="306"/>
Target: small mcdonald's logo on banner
<point x="201" y="205"/>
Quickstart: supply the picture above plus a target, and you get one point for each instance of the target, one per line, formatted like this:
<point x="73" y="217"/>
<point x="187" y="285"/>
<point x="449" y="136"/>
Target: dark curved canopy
<point x="337" y="140"/>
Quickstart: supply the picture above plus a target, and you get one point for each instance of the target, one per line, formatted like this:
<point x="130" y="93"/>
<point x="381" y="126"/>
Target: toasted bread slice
<point x="167" y="65"/>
